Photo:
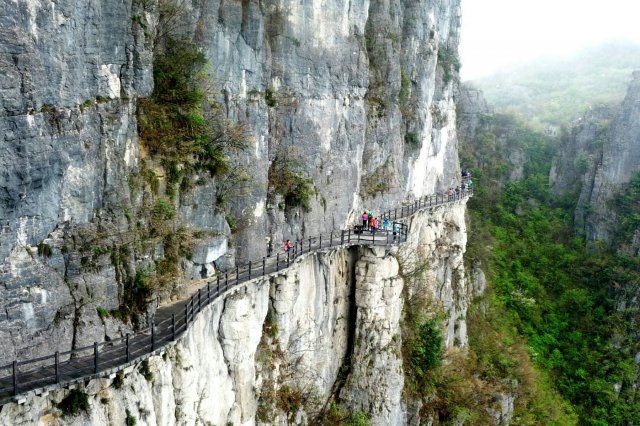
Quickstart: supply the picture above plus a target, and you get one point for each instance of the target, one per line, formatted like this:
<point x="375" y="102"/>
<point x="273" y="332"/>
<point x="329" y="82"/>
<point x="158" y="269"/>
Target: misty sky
<point x="502" y="32"/>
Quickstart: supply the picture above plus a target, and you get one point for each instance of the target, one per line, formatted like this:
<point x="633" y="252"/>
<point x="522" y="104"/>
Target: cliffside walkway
<point x="40" y="375"/>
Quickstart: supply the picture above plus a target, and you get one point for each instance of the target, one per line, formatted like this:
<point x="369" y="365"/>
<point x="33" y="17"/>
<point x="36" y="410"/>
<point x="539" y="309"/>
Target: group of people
<point x="371" y="223"/>
<point x="459" y="191"/>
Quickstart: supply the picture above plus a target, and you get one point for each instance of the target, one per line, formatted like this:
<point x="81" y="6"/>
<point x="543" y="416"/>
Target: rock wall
<point x="600" y="154"/>
<point x="361" y="92"/>
<point x="328" y="326"/>
<point x="487" y="138"/>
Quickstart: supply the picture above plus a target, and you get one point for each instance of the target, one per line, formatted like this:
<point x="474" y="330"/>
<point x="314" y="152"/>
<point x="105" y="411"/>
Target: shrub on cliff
<point x="179" y="124"/>
<point x="74" y="402"/>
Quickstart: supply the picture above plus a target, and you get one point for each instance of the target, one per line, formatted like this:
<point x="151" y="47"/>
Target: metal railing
<point x="171" y="322"/>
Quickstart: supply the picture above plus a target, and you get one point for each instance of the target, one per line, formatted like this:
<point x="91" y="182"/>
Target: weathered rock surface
<point x="601" y="155"/>
<point x="350" y="84"/>
<point x="332" y="313"/>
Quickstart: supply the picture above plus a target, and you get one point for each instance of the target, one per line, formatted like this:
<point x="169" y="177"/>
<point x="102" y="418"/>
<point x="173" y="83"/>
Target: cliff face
<point x="600" y="156"/>
<point x="488" y="138"/>
<point x="342" y="85"/>
<point x="274" y="350"/>
<point x="71" y="72"/>
<point x="362" y="93"/>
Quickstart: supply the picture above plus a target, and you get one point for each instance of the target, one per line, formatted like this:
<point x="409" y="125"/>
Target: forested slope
<point x="544" y="286"/>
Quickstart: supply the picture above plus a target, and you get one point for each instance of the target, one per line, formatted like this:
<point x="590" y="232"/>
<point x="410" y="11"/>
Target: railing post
<point x="249" y="270"/>
<point x="199" y="300"/>
<point x="320" y="241"/>
<point x="359" y="236"/>
<point x="226" y="280"/>
<point x="395" y="214"/>
<point x="57" y="368"/>
<point x="153" y="337"/>
<point x="15" y="377"/>
<point x="218" y="284"/>
<point x="277" y="262"/>
<point x="208" y="292"/>
<point x="173" y="327"/>
<point x="387" y="238"/>
<point x="288" y="259"/>
<point x="128" y="349"/>
<point x="349" y="236"/>
<point x="309" y="244"/>
<point x="95" y="357"/>
<point x="237" y="275"/>
<point x="342" y="237"/>
<point x="401" y="211"/>
<point x="331" y="239"/>
<point x="263" y="265"/>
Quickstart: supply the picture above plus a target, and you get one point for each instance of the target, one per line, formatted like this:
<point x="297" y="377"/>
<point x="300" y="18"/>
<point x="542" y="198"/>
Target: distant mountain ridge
<point x="556" y="91"/>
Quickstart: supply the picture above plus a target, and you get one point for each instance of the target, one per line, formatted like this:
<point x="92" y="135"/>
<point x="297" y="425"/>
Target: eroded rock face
<point x="601" y="154"/>
<point x="69" y="141"/>
<point x="324" y="85"/>
<point x="331" y="323"/>
<point x="361" y="93"/>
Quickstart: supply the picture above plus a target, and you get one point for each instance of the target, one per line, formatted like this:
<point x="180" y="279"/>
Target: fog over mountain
<point x="555" y="91"/>
<point x="500" y="33"/>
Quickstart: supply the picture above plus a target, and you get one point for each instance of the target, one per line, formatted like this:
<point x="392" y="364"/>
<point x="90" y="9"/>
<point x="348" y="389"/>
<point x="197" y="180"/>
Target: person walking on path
<point x="386" y="223"/>
<point x="450" y="194"/>
<point x="288" y="246"/>
<point x="396" y="228"/>
<point x="365" y="220"/>
<point x="373" y="225"/>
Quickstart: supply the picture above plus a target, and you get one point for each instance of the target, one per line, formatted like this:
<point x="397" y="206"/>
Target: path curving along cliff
<point x="43" y="374"/>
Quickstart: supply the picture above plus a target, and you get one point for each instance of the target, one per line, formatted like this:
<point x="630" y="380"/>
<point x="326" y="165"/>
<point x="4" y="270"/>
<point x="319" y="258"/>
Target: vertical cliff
<point x="356" y="97"/>
<point x="598" y="160"/>
<point x="354" y="100"/>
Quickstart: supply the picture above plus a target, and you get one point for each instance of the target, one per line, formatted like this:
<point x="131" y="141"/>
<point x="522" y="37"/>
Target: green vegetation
<point x="145" y="371"/>
<point x="405" y="88"/>
<point x="118" y="381"/>
<point x="412" y="140"/>
<point x="627" y="206"/>
<point x="338" y="415"/>
<point x="449" y="60"/>
<point x="136" y="296"/>
<point x="87" y="104"/>
<point x="270" y="97"/>
<point x="130" y="420"/>
<point x="187" y="139"/>
<point x="287" y="179"/>
<point x="45" y="249"/>
<point x="178" y="124"/>
<point x="378" y="182"/>
<point x="547" y="289"/>
<point x="559" y="91"/>
<point x="102" y="312"/>
<point x="74" y="402"/>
